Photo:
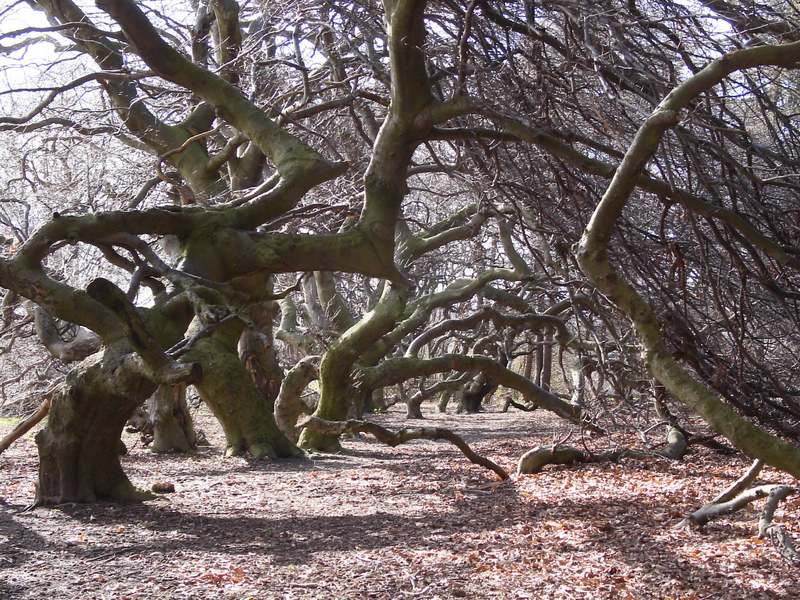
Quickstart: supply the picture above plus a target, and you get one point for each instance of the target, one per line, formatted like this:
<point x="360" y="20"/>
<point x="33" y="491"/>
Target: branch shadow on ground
<point x="631" y="534"/>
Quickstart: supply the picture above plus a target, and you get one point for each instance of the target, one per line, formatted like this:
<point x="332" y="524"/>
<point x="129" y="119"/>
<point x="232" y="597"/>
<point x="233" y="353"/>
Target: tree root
<point x="402" y="436"/>
<point x="510" y="402"/>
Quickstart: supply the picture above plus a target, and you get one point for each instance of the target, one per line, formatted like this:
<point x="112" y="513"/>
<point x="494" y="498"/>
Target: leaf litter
<point x="416" y="521"/>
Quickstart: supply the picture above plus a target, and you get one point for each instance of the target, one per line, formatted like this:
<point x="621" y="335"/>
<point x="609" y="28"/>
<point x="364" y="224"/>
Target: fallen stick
<point x="533" y="461"/>
<point x="709" y="512"/>
<point x="402" y="436"/>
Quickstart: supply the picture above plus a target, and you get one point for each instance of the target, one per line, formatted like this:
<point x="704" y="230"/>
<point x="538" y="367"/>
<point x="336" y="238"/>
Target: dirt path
<point x="417" y="521"/>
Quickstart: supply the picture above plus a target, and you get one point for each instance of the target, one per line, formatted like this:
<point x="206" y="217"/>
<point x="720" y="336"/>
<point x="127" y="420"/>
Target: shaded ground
<point x="414" y="521"/>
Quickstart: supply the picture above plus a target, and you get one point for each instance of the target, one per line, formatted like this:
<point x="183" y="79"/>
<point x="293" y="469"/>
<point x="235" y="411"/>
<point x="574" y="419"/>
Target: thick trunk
<point x="414" y="407"/>
<point x="228" y="389"/>
<point x="79" y="449"/>
<point x="333" y="406"/>
<point x="172" y="424"/>
<point x="475" y="392"/>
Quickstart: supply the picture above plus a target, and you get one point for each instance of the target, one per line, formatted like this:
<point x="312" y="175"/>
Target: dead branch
<point x="711" y="511"/>
<point x="766" y="529"/>
<point x="402" y="436"/>
<point x="741" y="484"/>
<point x="26" y="425"/>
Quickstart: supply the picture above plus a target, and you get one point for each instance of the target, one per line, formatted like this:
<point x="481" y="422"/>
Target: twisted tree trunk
<point x="233" y="397"/>
<point x="80" y="447"/>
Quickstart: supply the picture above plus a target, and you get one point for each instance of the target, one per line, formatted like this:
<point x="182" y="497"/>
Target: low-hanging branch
<point x="401" y="437"/>
<point x="536" y="459"/>
<point x="26" y="424"/>
<point x="395" y="370"/>
<point x="526" y="321"/>
<point x="593" y="257"/>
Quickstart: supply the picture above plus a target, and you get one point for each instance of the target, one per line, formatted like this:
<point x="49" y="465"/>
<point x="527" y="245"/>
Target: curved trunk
<point x="338" y="394"/>
<point x="289" y="405"/>
<point x="474" y="392"/>
<point x="80" y="446"/>
<point x="414" y="407"/>
<point x="593" y="258"/>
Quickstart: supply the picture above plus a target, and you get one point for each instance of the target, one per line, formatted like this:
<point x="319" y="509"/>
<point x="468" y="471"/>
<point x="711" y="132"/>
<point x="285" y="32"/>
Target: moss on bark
<point x="229" y="391"/>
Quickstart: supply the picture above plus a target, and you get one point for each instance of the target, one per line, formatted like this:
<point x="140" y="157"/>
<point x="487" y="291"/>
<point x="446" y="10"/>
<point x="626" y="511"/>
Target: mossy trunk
<point x="228" y="389"/>
<point x="289" y="404"/>
<point x="338" y="393"/>
<point x="333" y="406"/>
<point x="257" y="352"/>
<point x="173" y="430"/>
<point x="79" y="448"/>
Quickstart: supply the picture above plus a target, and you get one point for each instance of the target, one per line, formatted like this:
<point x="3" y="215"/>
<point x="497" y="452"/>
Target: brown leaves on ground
<point x="417" y="521"/>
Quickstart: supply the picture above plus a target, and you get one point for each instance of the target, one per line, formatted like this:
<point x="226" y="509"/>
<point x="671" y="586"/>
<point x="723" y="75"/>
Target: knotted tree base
<point x="80" y="447"/>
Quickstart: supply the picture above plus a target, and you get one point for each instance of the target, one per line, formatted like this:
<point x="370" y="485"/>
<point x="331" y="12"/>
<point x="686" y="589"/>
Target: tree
<point x="413" y="161"/>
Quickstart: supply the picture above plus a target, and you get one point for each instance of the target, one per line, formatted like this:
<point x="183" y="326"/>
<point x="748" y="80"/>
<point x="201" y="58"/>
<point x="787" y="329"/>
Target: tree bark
<point x="257" y="352"/>
<point x="168" y="412"/>
<point x="229" y="391"/>
<point x="289" y="405"/>
<point x="79" y="449"/>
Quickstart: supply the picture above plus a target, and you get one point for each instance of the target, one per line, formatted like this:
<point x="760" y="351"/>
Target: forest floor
<point x="416" y="521"/>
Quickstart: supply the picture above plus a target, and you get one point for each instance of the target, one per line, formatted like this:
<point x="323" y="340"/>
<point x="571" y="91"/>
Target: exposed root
<point x="391" y="438"/>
